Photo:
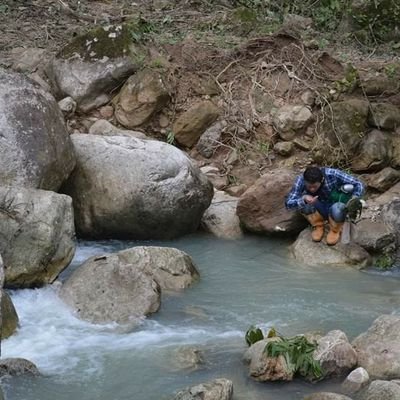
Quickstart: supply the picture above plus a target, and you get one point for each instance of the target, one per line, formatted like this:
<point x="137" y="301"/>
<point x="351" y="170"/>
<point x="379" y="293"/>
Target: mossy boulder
<point x="90" y="67"/>
<point x="9" y="317"/>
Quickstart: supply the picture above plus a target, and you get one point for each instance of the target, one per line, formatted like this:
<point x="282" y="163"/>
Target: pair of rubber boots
<point x="317" y="222"/>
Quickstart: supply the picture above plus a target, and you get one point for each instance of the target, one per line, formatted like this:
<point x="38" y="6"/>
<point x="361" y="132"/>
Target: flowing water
<point x="245" y="282"/>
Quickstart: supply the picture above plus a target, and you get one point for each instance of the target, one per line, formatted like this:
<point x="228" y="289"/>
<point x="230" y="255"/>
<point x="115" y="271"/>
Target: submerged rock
<point x="356" y="380"/>
<point x="35" y="148"/>
<point x="218" y="389"/>
<point x="130" y="188"/>
<point x="382" y="390"/>
<point x="17" y="366"/>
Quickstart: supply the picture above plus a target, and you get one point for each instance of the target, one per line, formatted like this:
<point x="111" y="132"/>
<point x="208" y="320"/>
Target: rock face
<point x="90" y="67"/>
<point x="373" y="236"/>
<point x="142" y="95"/>
<point x="263" y="368"/>
<point x="37" y="235"/>
<point x="104" y="289"/>
<point x="17" y="366"/>
<point x="311" y="253"/>
<point x="290" y="119"/>
<point x="261" y="208"/>
<point x="9" y="317"/>
<point x="335" y="354"/>
<point x="218" y="389"/>
<point x="382" y="390"/>
<point x="384" y="180"/>
<point x="220" y="218"/>
<point x="105" y="128"/>
<point x="193" y="123"/>
<point x="35" y="149"/>
<point x="131" y="188"/>
<point x="356" y="380"/>
<point x="378" y="349"/>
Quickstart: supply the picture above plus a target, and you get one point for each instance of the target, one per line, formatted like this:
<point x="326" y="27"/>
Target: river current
<point x="252" y="281"/>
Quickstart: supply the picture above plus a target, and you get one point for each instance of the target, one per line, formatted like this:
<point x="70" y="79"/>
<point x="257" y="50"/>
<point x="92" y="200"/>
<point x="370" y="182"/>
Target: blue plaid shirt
<point x="334" y="179"/>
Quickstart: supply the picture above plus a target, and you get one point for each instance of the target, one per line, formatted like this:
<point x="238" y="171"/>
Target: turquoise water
<point x="244" y="282"/>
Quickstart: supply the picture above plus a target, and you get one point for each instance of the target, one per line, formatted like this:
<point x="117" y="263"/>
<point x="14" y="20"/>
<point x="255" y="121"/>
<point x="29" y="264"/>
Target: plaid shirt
<point x="334" y="179"/>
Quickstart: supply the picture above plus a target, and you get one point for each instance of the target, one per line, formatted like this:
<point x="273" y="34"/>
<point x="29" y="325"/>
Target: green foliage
<point x="170" y="137"/>
<point x="253" y="335"/>
<point x="384" y="261"/>
<point x="298" y="353"/>
<point x="139" y="29"/>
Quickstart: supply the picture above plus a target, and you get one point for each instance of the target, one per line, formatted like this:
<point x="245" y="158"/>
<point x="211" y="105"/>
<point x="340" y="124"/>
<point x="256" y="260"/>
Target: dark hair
<point x="313" y="175"/>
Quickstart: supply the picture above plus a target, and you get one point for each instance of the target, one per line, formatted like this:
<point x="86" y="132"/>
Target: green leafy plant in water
<point x="253" y="335"/>
<point x="298" y="353"/>
<point x="384" y="261"/>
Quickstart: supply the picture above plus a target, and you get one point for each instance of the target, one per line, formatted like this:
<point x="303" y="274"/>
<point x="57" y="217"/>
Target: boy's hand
<point x="310" y="199"/>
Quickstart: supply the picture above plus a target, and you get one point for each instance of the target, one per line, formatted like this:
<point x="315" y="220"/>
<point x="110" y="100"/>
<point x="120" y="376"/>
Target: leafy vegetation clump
<point x="297" y="351"/>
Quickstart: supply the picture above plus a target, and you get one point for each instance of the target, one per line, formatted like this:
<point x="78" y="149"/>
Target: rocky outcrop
<point x="105" y="289"/>
<point x="378" y="349"/>
<point x="143" y="95"/>
<point x="35" y="149"/>
<point x="17" y="367"/>
<point x="190" y="125"/>
<point x="382" y="390"/>
<point x="90" y="67"/>
<point x="220" y="218"/>
<point x="261" y="208"/>
<point x="356" y="380"/>
<point x="131" y="188"/>
<point x="9" y="317"/>
<point x="36" y="235"/>
<point x="312" y="253"/>
<point x="218" y="389"/>
<point x="105" y="128"/>
<point x="335" y="354"/>
<point x="263" y="368"/>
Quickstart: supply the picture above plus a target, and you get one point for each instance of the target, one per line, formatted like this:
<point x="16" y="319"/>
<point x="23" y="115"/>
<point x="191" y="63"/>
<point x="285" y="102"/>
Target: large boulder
<point x="378" y="349"/>
<point x="261" y="208"/>
<point x="384" y="116"/>
<point x="375" y="152"/>
<point x="383" y="180"/>
<point x="220" y="218"/>
<point x="373" y="235"/>
<point x="263" y="368"/>
<point x="107" y="289"/>
<point x="317" y="254"/>
<point x="390" y="213"/>
<point x="290" y="119"/>
<point x="90" y="67"/>
<point x="9" y="317"/>
<point x="131" y="188"/>
<point x="356" y="380"/>
<point x="218" y="389"/>
<point x="190" y="125"/>
<point x="142" y="95"/>
<point x="335" y="354"/>
<point x="35" y="149"/>
<point x="36" y="235"/>
<point x="382" y="390"/>
<point x="17" y="367"/>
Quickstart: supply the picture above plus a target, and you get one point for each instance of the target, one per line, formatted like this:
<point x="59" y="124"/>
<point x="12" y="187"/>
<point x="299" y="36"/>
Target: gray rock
<point x="131" y="188"/>
<point x="105" y="128"/>
<point x="26" y="60"/>
<point x="312" y="253"/>
<point x="210" y="140"/>
<point x="17" y="367"/>
<point x="382" y="390"/>
<point x="384" y="116"/>
<point x="67" y="106"/>
<point x="378" y="349"/>
<point x="284" y="148"/>
<point x="188" y="358"/>
<point x="104" y="289"/>
<point x="35" y="149"/>
<point x="356" y="380"/>
<point x="375" y="152"/>
<point x="335" y="354"/>
<point x="218" y="180"/>
<point x="142" y="95"/>
<point x="220" y="218"/>
<point x="290" y="119"/>
<point x="90" y="67"/>
<point x="383" y="180"/>
<point x="36" y="235"/>
<point x="190" y="125"/>
<point x="391" y="213"/>
<point x="218" y="389"/>
<point x="261" y="208"/>
<point x="2" y="274"/>
<point x="326" y="396"/>
<point x="9" y="316"/>
<point x="373" y="235"/>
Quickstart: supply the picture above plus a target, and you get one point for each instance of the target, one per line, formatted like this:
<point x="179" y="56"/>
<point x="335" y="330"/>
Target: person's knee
<point x="338" y="212"/>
